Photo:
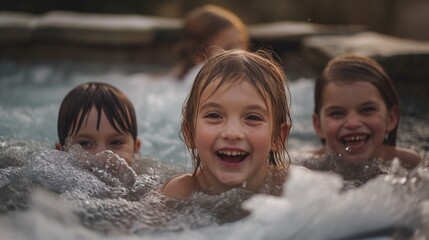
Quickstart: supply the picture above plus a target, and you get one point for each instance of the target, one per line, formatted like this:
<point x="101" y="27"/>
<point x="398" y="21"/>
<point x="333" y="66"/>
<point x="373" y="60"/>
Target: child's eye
<point x="116" y="142"/>
<point x="85" y="144"/>
<point x="213" y="116"/>
<point x="368" y="110"/>
<point x="336" y="113"/>
<point x="254" y="117"/>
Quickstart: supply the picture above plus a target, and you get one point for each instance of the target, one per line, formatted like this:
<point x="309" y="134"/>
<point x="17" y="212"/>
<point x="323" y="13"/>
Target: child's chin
<point x="357" y="158"/>
<point x="233" y="182"/>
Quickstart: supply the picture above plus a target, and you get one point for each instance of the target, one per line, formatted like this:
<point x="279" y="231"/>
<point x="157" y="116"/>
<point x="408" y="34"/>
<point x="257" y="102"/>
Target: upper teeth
<point x="232" y="153"/>
<point x="355" y="138"/>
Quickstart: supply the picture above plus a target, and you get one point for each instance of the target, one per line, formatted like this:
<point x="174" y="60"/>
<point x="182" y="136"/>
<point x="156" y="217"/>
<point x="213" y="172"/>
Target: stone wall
<point x="402" y="18"/>
<point x="304" y="47"/>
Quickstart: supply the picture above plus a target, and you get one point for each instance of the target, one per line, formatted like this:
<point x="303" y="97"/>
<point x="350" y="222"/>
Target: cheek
<point x="127" y="154"/>
<point x="261" y="139"/>
<point x="381" y="125"/>
<point x="328" y="126"/>
<point x="203" y="135"/>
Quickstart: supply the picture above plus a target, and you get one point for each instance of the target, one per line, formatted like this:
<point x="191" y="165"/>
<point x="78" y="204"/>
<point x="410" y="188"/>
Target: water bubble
<point x="402" y="180"/>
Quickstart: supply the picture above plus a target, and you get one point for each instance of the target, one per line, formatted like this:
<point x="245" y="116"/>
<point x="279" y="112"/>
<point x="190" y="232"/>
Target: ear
<point x="393" y="118"/>
<point x="317" y="127"/>
<point x="58" y="146"/>
<point x="285" y="128"/>
<point x="284" y="133"/>
<point x="137" y="145"/>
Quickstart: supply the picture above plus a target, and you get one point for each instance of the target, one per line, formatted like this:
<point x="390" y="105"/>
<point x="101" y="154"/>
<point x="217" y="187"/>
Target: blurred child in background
<point x="206" y="30"/>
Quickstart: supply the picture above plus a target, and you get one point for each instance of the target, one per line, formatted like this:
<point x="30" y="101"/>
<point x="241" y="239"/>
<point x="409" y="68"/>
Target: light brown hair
<point x="262" y="72"/>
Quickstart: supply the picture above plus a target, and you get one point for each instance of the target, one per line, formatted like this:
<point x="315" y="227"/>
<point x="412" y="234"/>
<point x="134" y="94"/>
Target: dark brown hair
<point x="77" y="104"/>
<point x="353" y="68"/>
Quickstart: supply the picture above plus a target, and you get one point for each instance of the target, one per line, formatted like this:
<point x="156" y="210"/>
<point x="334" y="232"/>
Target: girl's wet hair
<point x="353" y="68"/>
<point x="262" y="72"/>
<point x="77" y="104"/>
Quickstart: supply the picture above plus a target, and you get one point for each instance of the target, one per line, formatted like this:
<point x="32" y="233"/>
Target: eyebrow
<point x="369" y="103"/>
<point x="258" y="107"/>
<point x="362" y="104"/>
<point x="250" y="107"/>
<point x="210" y="105"/>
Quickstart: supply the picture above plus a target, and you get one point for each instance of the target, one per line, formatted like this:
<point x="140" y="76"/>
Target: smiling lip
<point x="354" y="143"/>
<point x="231" y="157"/>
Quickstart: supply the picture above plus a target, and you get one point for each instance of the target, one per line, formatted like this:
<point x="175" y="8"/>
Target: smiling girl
<point x="235" y="124"/>
<point x="356" y="112"/>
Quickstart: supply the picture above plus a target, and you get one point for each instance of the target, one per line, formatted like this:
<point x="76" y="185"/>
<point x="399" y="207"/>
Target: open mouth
<point x="355" y="142"/>
<point x="232" y="156"/>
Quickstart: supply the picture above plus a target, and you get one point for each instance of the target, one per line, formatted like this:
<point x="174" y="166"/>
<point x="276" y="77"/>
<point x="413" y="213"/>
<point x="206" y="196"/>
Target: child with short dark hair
<point x="99" y="117"/>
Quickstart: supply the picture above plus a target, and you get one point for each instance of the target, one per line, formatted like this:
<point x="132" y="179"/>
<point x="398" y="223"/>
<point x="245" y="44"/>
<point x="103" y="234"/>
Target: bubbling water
<point x="66" y="190"/>
<point x="45" y="193"/>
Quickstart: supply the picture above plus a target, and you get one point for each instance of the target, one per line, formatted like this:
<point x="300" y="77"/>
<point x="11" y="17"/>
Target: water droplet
<point x="348" y="149"/>
<point x="244" y="184"/>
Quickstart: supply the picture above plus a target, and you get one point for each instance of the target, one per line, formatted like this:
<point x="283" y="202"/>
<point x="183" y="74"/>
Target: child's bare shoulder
<point x="407" y="157"/>
<point x="181" y="186"/>
<point x="317" y="152"/>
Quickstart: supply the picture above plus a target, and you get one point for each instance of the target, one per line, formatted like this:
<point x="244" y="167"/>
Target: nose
<point x="352" y="120"/>
<point x="232" y="130"/>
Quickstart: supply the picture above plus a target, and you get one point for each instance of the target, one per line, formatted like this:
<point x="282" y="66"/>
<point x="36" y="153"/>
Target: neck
<point x="208" y="184"/>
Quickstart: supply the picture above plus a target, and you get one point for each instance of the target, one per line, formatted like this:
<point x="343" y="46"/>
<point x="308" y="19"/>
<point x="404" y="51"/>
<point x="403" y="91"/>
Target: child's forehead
<point x="221" y="85"/>
<point x="92" y="112"/>
<point x="96" y="115"/>
<point x="217" y="88"/>
<point x="357" y="83"/>
<point x="363" y="89"/>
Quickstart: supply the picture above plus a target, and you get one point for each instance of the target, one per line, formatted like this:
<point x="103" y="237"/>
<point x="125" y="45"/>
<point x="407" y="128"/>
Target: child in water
<point x="356" y="113"/>
<point x="99" y="117"/>
<point x="205" y="27"/>
<point x="235" y="123"/>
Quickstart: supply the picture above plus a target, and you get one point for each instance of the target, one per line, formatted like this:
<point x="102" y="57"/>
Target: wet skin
<point x="233" y="137"/>
<point x="105" y="138"/>
<point x="353" y="120"/>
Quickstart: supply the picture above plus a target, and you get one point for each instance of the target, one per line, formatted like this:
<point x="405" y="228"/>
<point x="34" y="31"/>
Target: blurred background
<point x="122" y="32"/>
<point x="396" y="17"/>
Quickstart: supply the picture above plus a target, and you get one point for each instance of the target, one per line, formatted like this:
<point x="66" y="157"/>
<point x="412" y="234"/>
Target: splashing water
<point x="45" y="193"/>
